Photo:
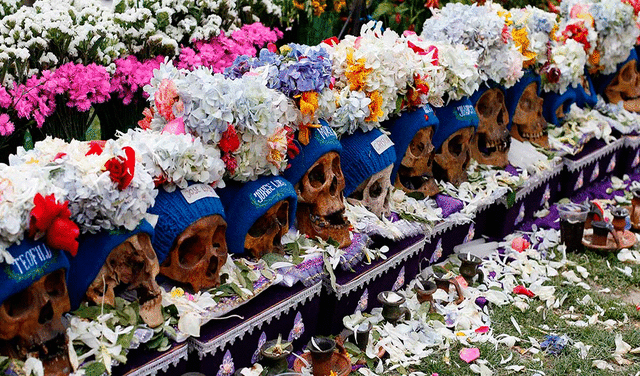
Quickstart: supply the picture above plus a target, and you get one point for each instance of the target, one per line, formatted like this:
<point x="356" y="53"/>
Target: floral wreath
<point x="499" y="59"/>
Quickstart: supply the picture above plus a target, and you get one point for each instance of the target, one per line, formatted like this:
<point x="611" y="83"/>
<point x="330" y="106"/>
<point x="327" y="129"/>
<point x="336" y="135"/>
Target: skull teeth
<point x="533" y="136"/>
<point x="501" y="146"/>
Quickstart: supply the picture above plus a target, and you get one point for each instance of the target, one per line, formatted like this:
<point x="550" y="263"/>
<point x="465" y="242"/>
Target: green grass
<point x="616" y="304"/>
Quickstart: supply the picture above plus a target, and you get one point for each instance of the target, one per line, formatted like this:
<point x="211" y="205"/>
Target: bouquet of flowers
<point x="616" y="28"/>
<point x="244" y="118"/>
<point x="105" y="185"/>
<point x="482" y="29"/>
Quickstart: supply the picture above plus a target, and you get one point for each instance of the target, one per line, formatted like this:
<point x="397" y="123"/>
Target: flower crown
<point x="368" y="78"/>
<point x="480" y="28"/>
<point x="175" y="159"/>
<point x="244" y="118"/>
<point x="300" y="72"/>
<point x="105" y="186"/>
<point x="615" y="24"/>
<point x="532" y="29"/>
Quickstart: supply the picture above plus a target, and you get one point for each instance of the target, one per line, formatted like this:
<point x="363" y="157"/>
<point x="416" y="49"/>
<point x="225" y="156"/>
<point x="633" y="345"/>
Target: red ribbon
<point x="51" y="219"/>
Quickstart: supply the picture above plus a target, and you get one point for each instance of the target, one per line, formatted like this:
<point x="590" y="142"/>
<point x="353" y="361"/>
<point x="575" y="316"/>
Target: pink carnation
<point x="6" y="126"/>
<point x="132" y="75"/>
<point x="5" y="98"/>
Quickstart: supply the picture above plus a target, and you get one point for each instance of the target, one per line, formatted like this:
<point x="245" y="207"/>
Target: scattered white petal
<point x="601" y="364"/>
<point x="626" y="271"/>
<point x="515" y="324"/>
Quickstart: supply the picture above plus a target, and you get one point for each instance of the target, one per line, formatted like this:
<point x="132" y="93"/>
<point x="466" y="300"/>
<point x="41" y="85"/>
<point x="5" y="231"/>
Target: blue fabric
<point x="321" y="141"/>
<point x="601" y="81"/>
<point x="513" y="94"/>
<point x="245" y="203"/>
<point x="175" y="214"/>
<point x="584" y="99"/>
<point x="33" y="260"/>
<point x="454" y="116"/>
<point x="359" y="158"/>
<point x="553" y="100"/>
<point x="405" y="127"/>
<point x="93" y="251"/>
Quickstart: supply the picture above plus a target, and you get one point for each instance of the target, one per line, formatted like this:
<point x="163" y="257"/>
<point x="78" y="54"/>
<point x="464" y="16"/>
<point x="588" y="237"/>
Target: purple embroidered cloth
<point x="448" y="204"/>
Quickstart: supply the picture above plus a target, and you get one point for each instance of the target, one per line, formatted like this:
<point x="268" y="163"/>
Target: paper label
<point x="462" y="282"/>
<point x="381" y="144"/>
<point x="196" y="192"/>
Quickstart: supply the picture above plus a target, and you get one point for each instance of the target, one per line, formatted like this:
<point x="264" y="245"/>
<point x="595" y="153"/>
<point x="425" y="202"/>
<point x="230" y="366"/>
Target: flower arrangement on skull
<point x="367" y="160"/>
<point x="189" y="236"/>
<point x="491" y="142"/>
<point x="412" y="135"/>
<point x="34" y="296"/>
<point x="458" y="123"/>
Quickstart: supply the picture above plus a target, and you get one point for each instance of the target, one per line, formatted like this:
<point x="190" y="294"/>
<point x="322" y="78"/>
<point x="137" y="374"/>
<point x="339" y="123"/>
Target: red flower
<point x="292" y="147"/>
<point x="577" y="32"/>
<point x="506" y="35"/>
<point x="272" y="47"/>
<point x="230" y="162"/>
<point x="51" y="220"/>
<point x="331" y="41"/>
<point x="96" y="147"/>
<point x="121" y="169"/>
<point x="230" y="141"/>
<point x="521" y="290"/>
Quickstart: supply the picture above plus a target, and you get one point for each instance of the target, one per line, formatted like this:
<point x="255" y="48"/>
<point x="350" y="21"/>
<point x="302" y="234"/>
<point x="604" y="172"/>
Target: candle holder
<point x="469" y="267"/>
<point x="391" y="310"/>
<point x="619" y="218"/>
<point x="443" y="283"/>
<point x="424" y="291"/>
<point x="635" y="208"/>
<point x="573" y="219"/>
<point x="274" y="354"/>
<point x="322" y="350"/>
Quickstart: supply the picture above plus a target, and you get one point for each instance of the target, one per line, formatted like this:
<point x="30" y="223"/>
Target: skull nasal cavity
<point x="54" y="284"/>
<point x="46" y="313"/>
<point x="455" y="145"/>
<point x="375" y="190"/>
<point x="333" y="189"/>
<point x="213" y="267"/>
<point x="191" y="251"/>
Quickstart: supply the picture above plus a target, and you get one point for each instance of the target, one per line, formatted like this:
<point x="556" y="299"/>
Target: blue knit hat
<point x="513" y="94"/>
<point x="553" y="100"/>
<point x="177" y="210"/>
<point x="92" y="254"/>
<point x="584" y="98"/>
<point x="364" y="154"/>
<point x="601" y="81"/>
<point x="404" y="128"/>
<point x="483" y="89"/>
<point x="245" y="203"/>
<point x="33" y="260"/>
<point x="456" y="115"/>
<point x="321" y="141"/>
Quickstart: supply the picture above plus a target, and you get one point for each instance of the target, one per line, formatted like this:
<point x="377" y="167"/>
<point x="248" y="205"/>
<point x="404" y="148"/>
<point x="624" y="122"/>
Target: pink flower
<point x="165" y="99"/>
<point x="5" y="98"/>
<point x="6" y="126"/>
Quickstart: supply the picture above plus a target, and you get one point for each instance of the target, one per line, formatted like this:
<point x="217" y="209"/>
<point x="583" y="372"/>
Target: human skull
<point x="415" y="174"/>
<point x="266" y="233"/>
<point x="198" y="254"/>
<point x="320" y="201"/>
<point x="453" y="157"/>
<point x="31" y="324"/>
<point x="133" y="264"/>
<point x="491" y="141"/>
<point x="528" y="122"/>
<point x="625" y="87"/>
<point x="374" y="193"/>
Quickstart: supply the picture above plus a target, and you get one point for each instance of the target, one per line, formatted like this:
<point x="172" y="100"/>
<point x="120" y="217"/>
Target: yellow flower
<point x="507" y="17"/>
<point x="553" y="32"/>
<point x="356" y="72"/>
<point x="285" y="49"/>
<point x="318" y="7"/>
<point x="177" y="292"/>
<point x="338" y="5"/>
<point x="375" y="107"/>
<point x="594" y="61"/>
<point x="521" y="39"/>
<point x="298" y="5"/>
<point x="308" y="103"/>
<point x="277" y="144"/>
<point x="33" y="160"/>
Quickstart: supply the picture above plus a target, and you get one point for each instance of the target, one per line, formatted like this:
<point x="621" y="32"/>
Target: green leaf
<point x="95" y="369"/>
<point x="353" y="349"/>
<point x="385" y="8"/>
<point x="416" y="195"/>
<point x="172" y="310"/>
<point x="272" y="258"/>
<point x="511" y="199"/>
<point x="332" y="242"/>
<point x="87" y="312"/>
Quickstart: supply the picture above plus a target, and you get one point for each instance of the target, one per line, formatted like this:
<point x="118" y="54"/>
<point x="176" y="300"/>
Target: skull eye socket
<point x="316" y="176"/>
<point x="416" y="147"/>
<point x="283" y="214"/>
<point x="455" y="145"/>
<point x="335" y="167"/>
<point x="18" y="304"/>
<point x="191" y="251"/>
<point x="54" y="284"/>
<point x="626" y="73"/>
<point x="260" y="227"/>
<point x="218" y="236"/>
<point x="375" y="190"/>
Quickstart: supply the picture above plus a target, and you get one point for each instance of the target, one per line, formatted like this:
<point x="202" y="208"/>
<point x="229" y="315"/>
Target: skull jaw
<point x="537" y="137"/>
<point x="425" y="185"/>
<point x="454" y="175"/>
<point x="383" y="212"/>
<point x="334" y="225"/>
<point x="629" y="104"/>
<point x="201" y="278"/>
<point x="151" y="310"/>
<point x="491" y="152"/>
<point x="53" y="352"/>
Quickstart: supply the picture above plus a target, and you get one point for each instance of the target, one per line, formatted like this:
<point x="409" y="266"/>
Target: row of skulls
<point x="195" y="228"/>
